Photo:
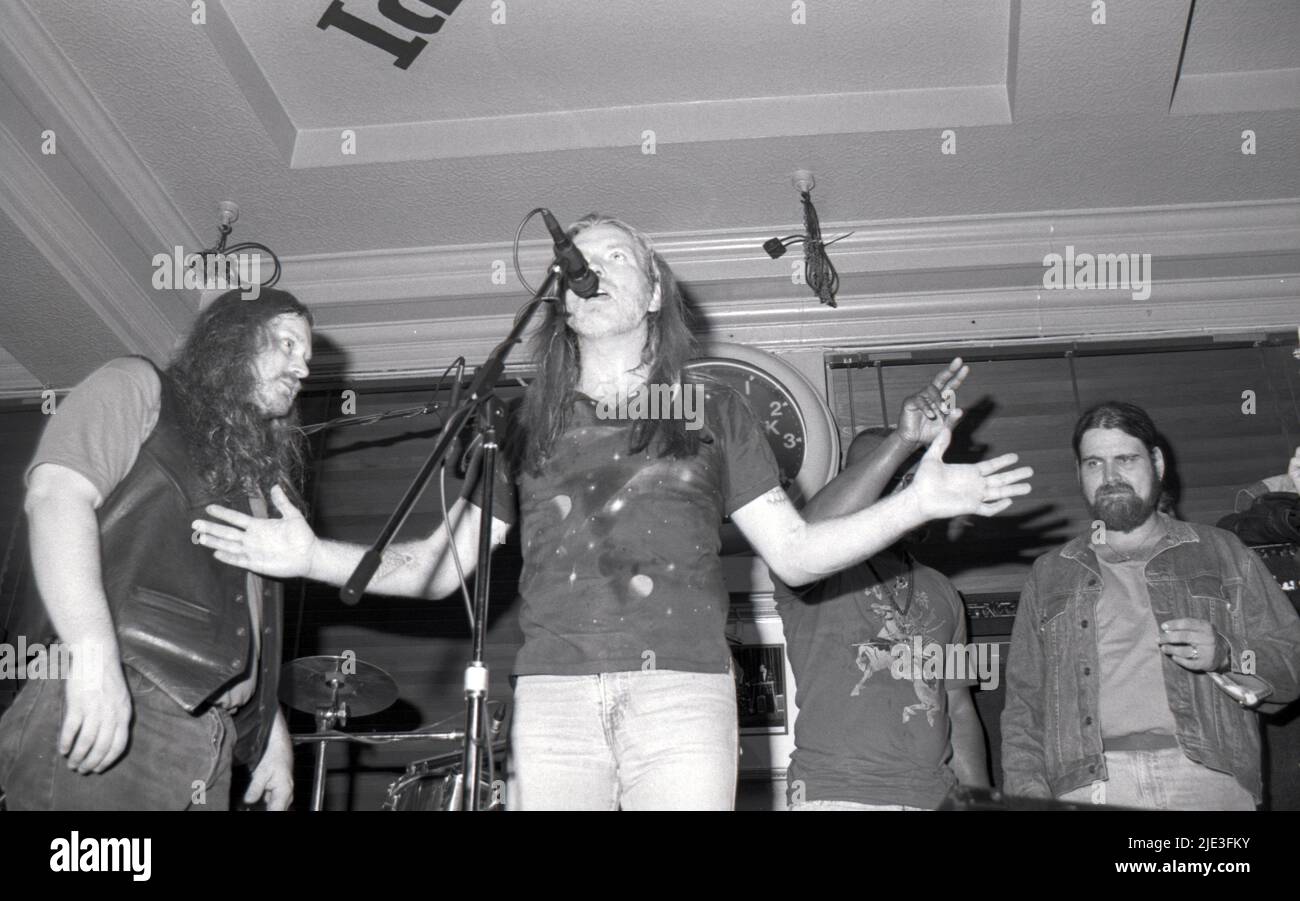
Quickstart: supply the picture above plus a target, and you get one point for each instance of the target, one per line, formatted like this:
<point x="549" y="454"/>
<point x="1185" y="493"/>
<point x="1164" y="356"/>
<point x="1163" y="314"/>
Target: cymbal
<point x="308" y="683"/>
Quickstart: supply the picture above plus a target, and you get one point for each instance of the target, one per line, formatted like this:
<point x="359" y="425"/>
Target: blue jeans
<point x="657" y="740"/>
<point x="1162" y="780"/>
<point x="169" y="751"/>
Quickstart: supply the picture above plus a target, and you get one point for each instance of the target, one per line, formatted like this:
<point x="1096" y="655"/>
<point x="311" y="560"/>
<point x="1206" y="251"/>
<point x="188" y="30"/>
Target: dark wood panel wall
<point x="1229" y="416"/>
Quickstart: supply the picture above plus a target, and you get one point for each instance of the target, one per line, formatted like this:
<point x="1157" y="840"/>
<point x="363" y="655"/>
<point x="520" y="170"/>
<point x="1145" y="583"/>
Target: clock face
<point x="778" y="415"/>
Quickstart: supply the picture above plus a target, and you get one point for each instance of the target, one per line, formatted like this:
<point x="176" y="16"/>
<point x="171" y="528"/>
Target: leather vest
<point x="182" y="617"/>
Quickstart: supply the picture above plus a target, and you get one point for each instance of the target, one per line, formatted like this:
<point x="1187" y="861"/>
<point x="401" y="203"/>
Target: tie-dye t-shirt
<point x="621" y="567"/>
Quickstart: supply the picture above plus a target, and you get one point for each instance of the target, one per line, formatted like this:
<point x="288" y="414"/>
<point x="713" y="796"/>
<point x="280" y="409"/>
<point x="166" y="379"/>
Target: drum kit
<point x="332" y="689"/>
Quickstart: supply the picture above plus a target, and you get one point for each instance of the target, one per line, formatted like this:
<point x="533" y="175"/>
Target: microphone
<point x="573" y="265"/>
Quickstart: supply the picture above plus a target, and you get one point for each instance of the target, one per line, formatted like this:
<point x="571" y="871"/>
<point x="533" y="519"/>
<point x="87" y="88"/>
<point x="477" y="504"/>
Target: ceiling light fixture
<point x="239" y="266"/>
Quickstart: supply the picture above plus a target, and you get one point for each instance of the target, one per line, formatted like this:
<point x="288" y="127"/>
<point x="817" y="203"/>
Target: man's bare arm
<point x="64" y="530"/>
<point x="800" y="552"/>
<point x="860" y="484"/>
<point x="287" y="548"/>
<point x="969" y="759"/>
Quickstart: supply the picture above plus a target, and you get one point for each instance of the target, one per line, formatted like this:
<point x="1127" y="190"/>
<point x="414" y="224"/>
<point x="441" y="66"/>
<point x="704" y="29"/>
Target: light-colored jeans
<point x="847" y="805"/>
<point x="657" y="740"/>
<point x="1162" y="780"/>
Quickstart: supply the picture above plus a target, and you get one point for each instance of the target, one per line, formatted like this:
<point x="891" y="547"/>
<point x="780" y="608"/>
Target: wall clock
<point x="792" y="412"/>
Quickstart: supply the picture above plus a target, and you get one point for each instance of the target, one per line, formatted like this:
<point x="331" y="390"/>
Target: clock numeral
<point x="776" y="406"/>
<point x="790" y="440"/>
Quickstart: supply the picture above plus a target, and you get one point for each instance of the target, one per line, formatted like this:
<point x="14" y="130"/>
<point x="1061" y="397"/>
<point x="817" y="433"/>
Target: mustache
<point x="1116" y="488"/>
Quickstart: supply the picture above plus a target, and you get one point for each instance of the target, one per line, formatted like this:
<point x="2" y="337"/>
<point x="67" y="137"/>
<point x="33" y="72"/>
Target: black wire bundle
<point x="818" y="270"/>
<point x="222" y="250"/>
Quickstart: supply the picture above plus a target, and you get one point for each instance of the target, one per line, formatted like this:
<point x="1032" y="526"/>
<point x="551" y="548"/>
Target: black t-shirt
<point x="862" y="734"/>
<point x="621" y="568"/>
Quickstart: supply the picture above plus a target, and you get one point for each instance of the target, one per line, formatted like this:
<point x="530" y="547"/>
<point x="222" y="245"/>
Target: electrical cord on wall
<point x="818" y="270"/>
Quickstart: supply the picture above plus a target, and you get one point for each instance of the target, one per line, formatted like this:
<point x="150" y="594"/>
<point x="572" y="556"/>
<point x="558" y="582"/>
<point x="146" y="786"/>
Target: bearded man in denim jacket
<point x="1111" y="697"/>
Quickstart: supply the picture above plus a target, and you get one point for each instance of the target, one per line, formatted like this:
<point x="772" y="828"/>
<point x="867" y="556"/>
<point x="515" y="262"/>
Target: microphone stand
<point x="481" y="391"/>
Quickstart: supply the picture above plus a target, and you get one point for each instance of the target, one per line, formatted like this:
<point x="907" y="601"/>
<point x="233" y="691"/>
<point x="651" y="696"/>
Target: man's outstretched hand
<point x="281" y="548"/>
<point x="952" y="489"/>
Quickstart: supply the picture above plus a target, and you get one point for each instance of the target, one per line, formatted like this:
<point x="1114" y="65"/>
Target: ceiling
<point x="684" y="118"/>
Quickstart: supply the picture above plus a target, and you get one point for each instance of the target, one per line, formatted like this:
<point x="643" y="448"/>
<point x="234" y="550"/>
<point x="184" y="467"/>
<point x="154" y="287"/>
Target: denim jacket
<point x="1051" y="729"/>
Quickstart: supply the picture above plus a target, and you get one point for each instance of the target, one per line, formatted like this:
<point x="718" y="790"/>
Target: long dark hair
<point x="669" y="346"/>
<point x="237" y="449"/>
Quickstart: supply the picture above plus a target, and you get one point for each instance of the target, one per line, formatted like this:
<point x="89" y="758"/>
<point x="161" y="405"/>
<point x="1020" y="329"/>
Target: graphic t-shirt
<point x="621" y="568"/>
<point x="872" y="728"/>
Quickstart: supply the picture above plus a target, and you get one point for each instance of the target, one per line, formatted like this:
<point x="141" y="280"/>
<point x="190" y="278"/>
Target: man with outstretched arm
<point x="175" y="655"/>
<point x="624" y="695"/>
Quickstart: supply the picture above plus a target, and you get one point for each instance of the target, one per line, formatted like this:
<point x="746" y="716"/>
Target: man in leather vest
<point x="175" y="656"/>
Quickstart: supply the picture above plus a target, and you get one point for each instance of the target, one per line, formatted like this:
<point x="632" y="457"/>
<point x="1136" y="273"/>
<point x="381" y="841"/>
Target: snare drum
<point x="438" y="783"/>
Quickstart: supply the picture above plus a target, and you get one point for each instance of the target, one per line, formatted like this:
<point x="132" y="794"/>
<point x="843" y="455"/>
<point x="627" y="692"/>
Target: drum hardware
<point x="438" y="783"/>
<point x="332" y="689"/>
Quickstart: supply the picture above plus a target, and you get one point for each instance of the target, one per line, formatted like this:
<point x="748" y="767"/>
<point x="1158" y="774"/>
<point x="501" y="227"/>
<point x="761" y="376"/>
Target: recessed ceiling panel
<point x="1240" y="57"/>
<point x="497" y="77"/>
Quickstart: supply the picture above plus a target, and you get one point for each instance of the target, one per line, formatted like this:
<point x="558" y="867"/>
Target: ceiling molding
<point x="42" y="212"/>
<point x="749" y="118"/>
<point x="1199" y="307"/>
<point x="1236" y="92"/>
<point x="63" y="206"/>
<point x="15" y="380"/>
<point x="39" y="72"/>
<point x="413" y="311"/>
<point x="243" y="68"/>
<point x="445" y="276"/>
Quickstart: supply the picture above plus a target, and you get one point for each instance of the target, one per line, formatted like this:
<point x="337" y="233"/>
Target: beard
<point x="275" y="398"/>
<point x="1121" y="508"/>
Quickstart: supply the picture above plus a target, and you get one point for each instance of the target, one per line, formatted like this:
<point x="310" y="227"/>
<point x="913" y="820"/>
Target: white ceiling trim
<point x="63" y="237"/>
<point x="750" y="118"/>
<point x="16" y="381"/>
<point x="52" y="214"/>
<point x="1236" y="92"/>
<point x="1184" y="308"/>
<point x="450" y="274"/>
<point x="42" y="76"/>
<point x="252" y="81"/>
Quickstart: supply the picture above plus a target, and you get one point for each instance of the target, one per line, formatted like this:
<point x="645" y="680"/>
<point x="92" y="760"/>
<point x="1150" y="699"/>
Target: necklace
<point x="902" y="582"/>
